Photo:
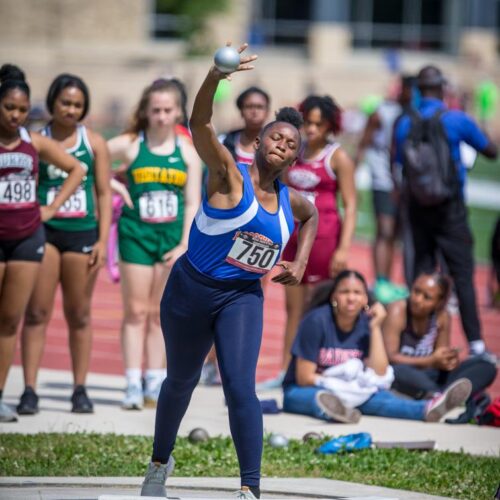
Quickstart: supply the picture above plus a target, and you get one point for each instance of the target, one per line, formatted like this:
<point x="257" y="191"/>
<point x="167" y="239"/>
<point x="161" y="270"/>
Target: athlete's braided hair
<point x="12" y="77"/>
<point x="64" y="81"/>
<point x="329" y="109"/>
<point x="287" y="115"/>
<point x="139" y="119"/>
<point x="290" y="115"/>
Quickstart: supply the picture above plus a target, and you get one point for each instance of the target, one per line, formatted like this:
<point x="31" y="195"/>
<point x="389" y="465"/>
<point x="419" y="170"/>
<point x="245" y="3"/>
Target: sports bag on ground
<point x="491" y="415"/>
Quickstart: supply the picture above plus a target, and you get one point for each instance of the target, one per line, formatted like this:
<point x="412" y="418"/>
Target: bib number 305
<point x="253" y="254"/>
<point x="17" y="193"/>
<point x="74" y="207"/>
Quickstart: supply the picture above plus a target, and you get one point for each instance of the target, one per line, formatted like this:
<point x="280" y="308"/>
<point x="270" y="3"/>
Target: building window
<point x="407" y="24"/>
<point x="166" y="21"/>
<point x="280" y="22"/>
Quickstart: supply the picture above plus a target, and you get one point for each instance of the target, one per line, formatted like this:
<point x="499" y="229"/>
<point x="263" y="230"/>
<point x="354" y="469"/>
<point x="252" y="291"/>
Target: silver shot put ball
<point x="227" y="59"/>
<point x="198" y="435"/>
<point x="278" y="441"/>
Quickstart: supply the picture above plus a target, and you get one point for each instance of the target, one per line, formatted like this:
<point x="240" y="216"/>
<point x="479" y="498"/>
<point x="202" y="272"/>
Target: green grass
<point x="486" y="169"/>
<point x="481" y="221"/>
<point x="441" y="473"/>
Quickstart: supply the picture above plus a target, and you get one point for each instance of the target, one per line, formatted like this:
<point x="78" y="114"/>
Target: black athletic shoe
<point x="80" y="400"/>
<point x="28" y="404"/>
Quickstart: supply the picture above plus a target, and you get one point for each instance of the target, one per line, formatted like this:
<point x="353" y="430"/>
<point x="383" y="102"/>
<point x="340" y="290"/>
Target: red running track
<point x="106" y="312"/>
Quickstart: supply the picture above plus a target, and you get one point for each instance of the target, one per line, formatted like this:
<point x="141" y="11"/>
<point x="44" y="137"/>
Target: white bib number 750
<point x="252" y="254"/>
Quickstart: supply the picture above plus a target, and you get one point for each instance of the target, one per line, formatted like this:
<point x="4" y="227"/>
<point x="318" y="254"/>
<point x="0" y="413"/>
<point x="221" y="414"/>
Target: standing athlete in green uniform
<point x="164" y="182"/>
<point x="76" y="243"/>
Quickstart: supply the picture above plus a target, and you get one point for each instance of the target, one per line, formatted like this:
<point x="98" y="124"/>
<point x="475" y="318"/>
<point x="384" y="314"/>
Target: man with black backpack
<point x="427" y="147"/>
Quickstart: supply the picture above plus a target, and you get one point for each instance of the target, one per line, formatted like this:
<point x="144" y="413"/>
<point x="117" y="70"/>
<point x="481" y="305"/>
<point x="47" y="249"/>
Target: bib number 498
<point x="17" y="193"/>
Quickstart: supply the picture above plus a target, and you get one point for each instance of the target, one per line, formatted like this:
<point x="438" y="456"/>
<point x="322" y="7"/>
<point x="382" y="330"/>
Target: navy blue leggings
<point x="197" y="311"/>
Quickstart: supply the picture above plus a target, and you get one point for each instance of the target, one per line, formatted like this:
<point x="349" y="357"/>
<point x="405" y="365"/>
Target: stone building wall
<point x="108" y="43"/>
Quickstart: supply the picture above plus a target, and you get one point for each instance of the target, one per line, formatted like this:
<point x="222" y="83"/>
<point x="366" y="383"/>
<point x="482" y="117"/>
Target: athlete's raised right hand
<point x="244" y="64"/>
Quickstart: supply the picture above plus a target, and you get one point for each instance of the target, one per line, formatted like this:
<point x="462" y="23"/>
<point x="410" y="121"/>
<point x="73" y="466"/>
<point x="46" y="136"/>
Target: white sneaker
<point x="455" y="395"/>
<point x="210" y="374"/>
<point x="151" y="394"/>
<point x="133" y="400"/>
<point x="244" y="494"/>
<point x="6" y="414"/>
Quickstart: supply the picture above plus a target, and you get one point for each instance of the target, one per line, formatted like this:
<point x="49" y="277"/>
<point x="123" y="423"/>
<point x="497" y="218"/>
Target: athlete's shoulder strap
<point x="248" y="191"/>
<point x="24" y="135"/>
<point x="84" y="137"/>
<point x="329" y="152"/>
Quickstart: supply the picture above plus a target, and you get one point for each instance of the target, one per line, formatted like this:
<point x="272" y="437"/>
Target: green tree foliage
<point x="194" y="14"/>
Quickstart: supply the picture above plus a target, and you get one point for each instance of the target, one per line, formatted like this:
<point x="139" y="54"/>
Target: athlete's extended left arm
<point x="102" y="167"/>
<point x="344" y="170"/>
<point x="305" y="212"/>
<point x="192" y="198"/>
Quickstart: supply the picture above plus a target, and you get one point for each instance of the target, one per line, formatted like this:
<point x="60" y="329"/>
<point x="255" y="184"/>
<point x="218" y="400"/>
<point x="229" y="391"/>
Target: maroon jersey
<point x="19" y="207"/>
<point x="316" y="180"/>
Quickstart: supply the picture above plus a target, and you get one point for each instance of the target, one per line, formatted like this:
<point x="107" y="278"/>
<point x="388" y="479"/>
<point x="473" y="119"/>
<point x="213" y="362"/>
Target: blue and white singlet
<point x="243" y="242"/>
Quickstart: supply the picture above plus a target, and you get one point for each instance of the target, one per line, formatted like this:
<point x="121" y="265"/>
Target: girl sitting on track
<point x="340" y="369"/>
<point x="417" y="339"/>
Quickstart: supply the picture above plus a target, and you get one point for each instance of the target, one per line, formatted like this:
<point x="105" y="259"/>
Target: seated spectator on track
<point x="340" y="369"/>
<point x="417" y="340"/>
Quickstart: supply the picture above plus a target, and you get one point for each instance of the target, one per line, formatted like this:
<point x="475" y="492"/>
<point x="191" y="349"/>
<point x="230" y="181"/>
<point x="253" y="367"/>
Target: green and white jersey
<point x="78" y="211"/>
<point x="156" y="186"/>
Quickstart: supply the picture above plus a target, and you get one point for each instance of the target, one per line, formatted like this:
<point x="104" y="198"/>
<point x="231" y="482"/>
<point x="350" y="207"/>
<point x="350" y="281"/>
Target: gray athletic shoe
<point x="133" y="400"/>
<point x="6" y="414"/>
<point x="455" y="395"/>
<point x="335" y="409"/>
<point x="156" y="476"/>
